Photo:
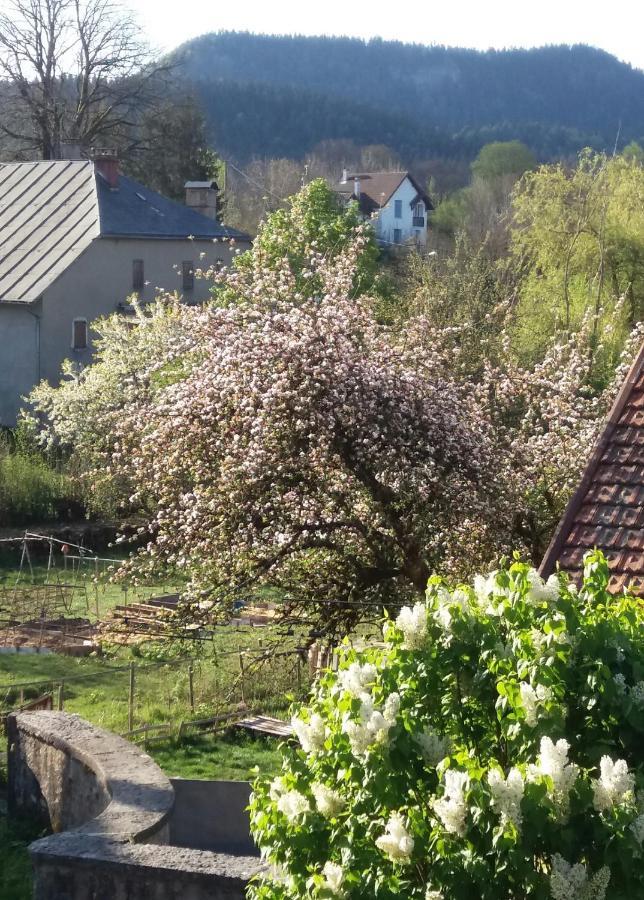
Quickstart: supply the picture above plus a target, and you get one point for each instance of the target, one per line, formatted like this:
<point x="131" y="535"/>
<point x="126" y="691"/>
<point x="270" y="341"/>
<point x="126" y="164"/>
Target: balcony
<point x="418" y="221"/>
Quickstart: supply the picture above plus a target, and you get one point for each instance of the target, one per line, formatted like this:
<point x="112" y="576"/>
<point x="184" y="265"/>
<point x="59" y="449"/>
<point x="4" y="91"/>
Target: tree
<point x="171" y="147"/>
<point x="305" y="452"/>
<point x="314" y="222"/>
<point x="285" y="436"/>
<point x="480" y="210"/>
<point x="503" y="158"/>
<point x="580" y="237"/>
<point x="492" y="748"/>
<point x="77" y="70"/>
<point x="634" y="151"/>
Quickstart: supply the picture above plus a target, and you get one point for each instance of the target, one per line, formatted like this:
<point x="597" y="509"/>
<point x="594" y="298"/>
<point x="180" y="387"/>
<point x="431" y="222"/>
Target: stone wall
<point x="111" y="806"/>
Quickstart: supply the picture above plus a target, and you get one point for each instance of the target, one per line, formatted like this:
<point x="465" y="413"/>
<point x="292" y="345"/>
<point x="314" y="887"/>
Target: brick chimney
<point x="106" y="163"/>
<point x="202" y="196"/>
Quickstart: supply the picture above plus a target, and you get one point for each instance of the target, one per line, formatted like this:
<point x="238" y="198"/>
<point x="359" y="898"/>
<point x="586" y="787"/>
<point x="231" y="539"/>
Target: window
<point x="79" y="334"/>
<point x="397" y="235"/>
<point x="138" y="274"/>
<point x="419" y="210"/>
<point x="398" y="209"/>
<point x="188" y="274"/>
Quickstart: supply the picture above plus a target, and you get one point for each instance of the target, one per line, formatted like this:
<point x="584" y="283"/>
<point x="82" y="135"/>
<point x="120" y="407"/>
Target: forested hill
<point x="272" y="95"/>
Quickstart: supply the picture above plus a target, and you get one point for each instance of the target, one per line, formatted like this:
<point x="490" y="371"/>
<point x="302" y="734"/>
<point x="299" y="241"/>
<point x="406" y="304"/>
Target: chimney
<point x="202" y="196"/>
<point x="356" y="187"/>
<point x="344" y="176"/>
<point x="106" y="163"/>
<point x="69" y="151"/>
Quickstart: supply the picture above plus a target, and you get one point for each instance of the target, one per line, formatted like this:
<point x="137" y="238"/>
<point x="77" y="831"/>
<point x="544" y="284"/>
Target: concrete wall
<point x="113" y="807"/>
<point x="387" y="221"/>
<point x="212" y="815"/>
<point x="19" y="333"/>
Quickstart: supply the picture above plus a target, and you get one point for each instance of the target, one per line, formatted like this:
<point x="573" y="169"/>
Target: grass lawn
<point x="230" y="756"/>
<point x="15" y="868"/>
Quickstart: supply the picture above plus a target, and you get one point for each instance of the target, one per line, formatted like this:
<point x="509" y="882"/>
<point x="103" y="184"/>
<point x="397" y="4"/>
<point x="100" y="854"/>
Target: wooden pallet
<point x="266" y="725"/>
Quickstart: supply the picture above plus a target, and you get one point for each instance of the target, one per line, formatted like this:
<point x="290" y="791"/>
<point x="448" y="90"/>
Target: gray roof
<point x="48" y="216"/>
<point x="51" y="211"/>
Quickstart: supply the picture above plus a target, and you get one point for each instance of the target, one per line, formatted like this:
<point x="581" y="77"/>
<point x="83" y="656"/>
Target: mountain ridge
<point x="567" y="96"/>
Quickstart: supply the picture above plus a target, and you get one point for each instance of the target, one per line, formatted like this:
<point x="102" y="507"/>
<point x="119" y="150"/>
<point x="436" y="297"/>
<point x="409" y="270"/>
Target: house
<point x="607" y="509"/>
<point x="394" y="201"/>
<point x="76" y="239"/>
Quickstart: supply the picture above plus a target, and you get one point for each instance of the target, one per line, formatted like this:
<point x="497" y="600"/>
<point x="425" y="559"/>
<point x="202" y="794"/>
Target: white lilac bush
<point x="491" y="747"/>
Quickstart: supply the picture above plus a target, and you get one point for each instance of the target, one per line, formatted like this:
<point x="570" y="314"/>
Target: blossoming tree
<point x="492" y="748"/>
<point x="306" y="450"/>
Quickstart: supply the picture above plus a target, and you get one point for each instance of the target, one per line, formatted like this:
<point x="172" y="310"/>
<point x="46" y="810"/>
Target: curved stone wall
<point x="108" y="803"/>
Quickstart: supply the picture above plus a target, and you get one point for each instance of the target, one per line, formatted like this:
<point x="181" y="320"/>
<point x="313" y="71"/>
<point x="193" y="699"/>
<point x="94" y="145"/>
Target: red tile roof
<point x="607" y="509"/>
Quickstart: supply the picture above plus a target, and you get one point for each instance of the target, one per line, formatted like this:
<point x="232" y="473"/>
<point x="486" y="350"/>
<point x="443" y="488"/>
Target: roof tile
<point x="607" y="510"/>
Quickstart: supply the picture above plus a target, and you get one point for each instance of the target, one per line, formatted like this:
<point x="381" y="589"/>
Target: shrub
<point x="491" y="748"/>
<point x="31" y="490"/>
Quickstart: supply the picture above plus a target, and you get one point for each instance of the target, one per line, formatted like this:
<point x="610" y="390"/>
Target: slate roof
<point x="50" y="212"/>
<point x="137" y="212"/>
<point x="607" y="510"/>
<point x="377" y="189"/>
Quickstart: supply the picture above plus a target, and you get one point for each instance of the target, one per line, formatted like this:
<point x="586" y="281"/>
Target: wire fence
<point x="163" y="699"/>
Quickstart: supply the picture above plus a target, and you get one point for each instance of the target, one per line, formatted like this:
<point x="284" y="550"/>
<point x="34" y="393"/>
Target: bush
<point x="31" y="490"/>
<point x="491" y="748"/>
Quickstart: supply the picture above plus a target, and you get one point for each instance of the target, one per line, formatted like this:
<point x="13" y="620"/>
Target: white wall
<point x="387" y="221"/>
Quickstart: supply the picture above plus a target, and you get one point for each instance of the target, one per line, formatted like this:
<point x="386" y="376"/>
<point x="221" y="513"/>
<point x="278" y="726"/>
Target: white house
<point x="76" y="239"/>
<point x="394" y="201"/>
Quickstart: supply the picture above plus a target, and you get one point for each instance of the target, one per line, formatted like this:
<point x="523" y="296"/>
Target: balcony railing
<point x="418" y="221"/>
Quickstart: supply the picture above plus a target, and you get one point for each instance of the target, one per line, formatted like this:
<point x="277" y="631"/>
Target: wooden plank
<point x="266" y="725"/>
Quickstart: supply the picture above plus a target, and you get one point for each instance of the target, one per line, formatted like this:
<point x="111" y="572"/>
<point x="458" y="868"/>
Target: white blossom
<point x="451" y="809"/>
<point x="553" y="762"/>
<point x="431" y="894"/>
<point x="328" y="801"/>
<point x="614" y="786"/>
<point x="293" y="804"/>
<point x="637" y="693"/>
<point x="507" y="794"/>
<point x="637" y="827"/>
<point x="569" y="882"/>
<point x="358" y="680"/>
<point x="396" y="842"/>
<point x="447" y="602"/>
<point x="541" y="591"/>
<point x="310" y="734"/>
<point x="372" y="726"/>
<point x="333" y="878"/>
<point x="413" y="624"/>
<point x="277" y="788"/>
<point x="433" y="746"/>
<point x="532" y="698"/>
<point x="620" y="683"/>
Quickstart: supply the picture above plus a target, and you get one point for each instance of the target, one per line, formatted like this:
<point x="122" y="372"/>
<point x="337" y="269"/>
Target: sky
<point x="616" y="26"/>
